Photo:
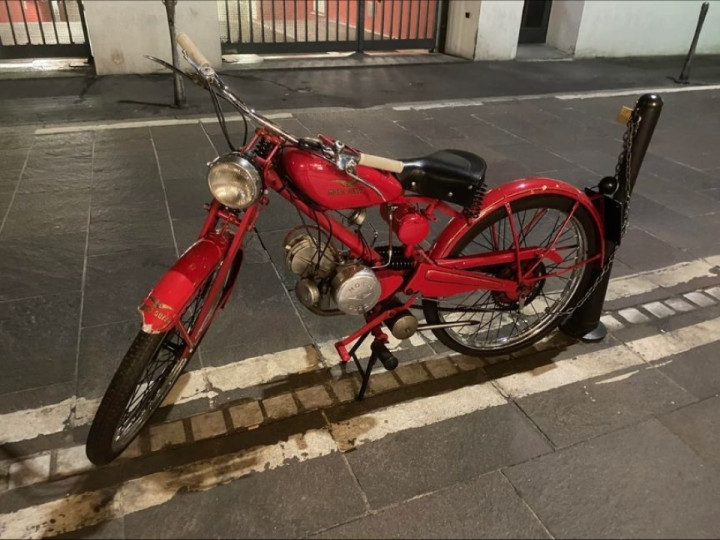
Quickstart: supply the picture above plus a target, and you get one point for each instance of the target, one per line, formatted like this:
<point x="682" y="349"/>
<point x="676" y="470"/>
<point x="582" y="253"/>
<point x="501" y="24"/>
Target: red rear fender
<point x="512" y="191"/>
<point x="167" y="300"/>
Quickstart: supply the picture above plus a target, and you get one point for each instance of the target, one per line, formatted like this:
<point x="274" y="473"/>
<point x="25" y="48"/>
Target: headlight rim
<point x="246" y="173"/>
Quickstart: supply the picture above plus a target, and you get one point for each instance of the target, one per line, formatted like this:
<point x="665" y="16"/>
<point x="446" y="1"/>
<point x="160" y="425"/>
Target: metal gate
<point x="42" y="29"/>
<point x="297" y="26"/>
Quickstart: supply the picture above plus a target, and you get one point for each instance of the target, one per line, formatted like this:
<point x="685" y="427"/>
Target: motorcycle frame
<point x="435" y="274"/>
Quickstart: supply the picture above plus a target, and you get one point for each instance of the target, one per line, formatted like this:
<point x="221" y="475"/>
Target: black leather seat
<point x="450" y="175"/>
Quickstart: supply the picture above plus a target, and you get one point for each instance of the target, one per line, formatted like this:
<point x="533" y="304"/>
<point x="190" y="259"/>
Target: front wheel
<point x="498" y="323"/>
<point x="150" y="368"/>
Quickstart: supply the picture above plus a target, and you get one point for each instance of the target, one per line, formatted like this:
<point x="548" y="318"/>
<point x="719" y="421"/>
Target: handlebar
<point x="384" y="164"/>
<point x="203" y="66"/>
<point x="192" y="52"/>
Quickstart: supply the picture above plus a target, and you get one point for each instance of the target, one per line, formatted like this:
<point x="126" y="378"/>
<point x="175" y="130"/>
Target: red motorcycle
<point x="502" y="274"/>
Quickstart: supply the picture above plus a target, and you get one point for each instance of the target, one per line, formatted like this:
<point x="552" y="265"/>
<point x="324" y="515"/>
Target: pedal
<point x="388" y="359"/>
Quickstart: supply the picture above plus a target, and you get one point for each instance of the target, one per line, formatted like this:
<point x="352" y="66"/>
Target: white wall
<point x="564" y="25"/>
<point x="645" y="28"/>
<point x="483" y="29"/>
<point x="499" y="29"/>
<point x="121" y="32"/>
<point x="462" y="29"/>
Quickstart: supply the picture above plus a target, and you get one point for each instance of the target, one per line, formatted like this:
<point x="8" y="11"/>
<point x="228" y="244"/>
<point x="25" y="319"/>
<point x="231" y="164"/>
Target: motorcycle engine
<point x="328" y="282"/>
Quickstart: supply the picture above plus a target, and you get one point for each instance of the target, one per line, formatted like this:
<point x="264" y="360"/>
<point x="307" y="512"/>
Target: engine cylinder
<point x="356" y="289"/>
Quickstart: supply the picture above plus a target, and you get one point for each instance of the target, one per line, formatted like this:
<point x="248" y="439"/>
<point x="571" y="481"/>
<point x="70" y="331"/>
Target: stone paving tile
<point x="679" y="304"/>
<point x="700" y="299"/>
<point x="497" y="512"/>
<point x="280" y="406"/>
<point x="164" y="435"/>
<point x="287" y="502"/>
<point x="208" y="425"/>
<point x="407" y="464"/>
<point x="697" y="371"/>
<point x="38" y="341"/>
<point x="584" y="410"/>
<point x="642" y="251"/>
<point x="610" y="487"/>
<point x="315" y="397"/>
<point x="699" y="426"/>
<point x="116" y="283"/>
<point x="39" y="265"/>
<point x="441" y="367"/>
<point x="246" y="414"/>
<point x="633" y="316"/>
<point x="45" y="214"/>
<point x="658" y="309"/>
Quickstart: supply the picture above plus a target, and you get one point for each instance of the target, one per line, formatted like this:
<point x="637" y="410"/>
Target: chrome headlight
<point x="234" y="181"/>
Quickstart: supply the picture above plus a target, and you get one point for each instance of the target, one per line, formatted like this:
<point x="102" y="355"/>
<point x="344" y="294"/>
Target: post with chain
<point x="177" y="78"/>
<point x="584" y="322"/>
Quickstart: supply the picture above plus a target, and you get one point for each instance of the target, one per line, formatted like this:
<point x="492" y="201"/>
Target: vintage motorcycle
<point x="506" y="269"/>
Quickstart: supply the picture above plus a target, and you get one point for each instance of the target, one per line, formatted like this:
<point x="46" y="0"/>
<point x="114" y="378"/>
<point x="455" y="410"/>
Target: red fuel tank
<point x="326" y="185"/>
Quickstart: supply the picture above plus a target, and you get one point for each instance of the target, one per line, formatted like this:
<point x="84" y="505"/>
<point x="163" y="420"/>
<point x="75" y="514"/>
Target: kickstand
<point x="379" y="352"/>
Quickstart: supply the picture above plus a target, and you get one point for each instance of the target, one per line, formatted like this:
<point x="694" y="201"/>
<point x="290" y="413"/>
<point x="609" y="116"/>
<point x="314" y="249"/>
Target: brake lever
<point x="195" y="78"/>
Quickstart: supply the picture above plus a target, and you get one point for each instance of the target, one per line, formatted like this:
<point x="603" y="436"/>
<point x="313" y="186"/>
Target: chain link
<point x="626" y="153"/>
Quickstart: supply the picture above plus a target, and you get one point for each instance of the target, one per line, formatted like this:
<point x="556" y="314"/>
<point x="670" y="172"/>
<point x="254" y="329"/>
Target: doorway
<point x="535" y="20"/>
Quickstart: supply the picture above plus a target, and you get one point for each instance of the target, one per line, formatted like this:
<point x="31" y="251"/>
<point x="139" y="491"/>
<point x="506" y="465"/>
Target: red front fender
<point x="497" y="197"/>
<point x="168" y="299"/>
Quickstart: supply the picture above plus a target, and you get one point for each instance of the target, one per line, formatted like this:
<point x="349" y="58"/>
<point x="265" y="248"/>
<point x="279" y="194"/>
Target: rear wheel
<point x="500" y="323"/>
<point x="150" y="368"/>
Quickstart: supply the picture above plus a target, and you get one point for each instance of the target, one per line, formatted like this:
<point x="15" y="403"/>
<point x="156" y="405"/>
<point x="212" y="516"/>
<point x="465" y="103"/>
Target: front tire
<point x="147" y="373"/>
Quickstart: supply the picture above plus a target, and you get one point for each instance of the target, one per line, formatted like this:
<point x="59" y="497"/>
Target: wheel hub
<point x="527" y="291"/>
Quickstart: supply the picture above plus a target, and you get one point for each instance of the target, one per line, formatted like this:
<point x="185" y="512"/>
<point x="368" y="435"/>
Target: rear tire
<point x="493" y="313"/>
<point x="122" y="412"/>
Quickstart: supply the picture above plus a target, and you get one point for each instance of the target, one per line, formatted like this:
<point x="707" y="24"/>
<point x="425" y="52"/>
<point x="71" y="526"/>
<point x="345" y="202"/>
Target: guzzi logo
<point x="348" y="187"/>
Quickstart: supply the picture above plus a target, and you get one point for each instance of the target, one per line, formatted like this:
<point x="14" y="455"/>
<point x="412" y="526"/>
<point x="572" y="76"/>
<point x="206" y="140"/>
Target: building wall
<point x="483" y="30"/>
<point x="564" y="25"/>
<point x="121" y="32"/>
<point x="645" y="28"/>
<point x="498" y="29"/>
<point x="462" y="29"/>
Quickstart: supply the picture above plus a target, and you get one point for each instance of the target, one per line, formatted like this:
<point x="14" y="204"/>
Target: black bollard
<point x="685" y="73"/>
<point x="584" y="323"/>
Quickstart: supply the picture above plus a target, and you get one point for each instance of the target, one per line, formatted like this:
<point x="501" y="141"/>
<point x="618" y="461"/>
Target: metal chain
<point x="626" y="152"/>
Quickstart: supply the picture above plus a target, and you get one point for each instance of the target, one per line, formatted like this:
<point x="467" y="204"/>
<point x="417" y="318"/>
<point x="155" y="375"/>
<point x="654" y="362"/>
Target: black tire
<point x="103" y="443"/>
<point x="433" y="309"/>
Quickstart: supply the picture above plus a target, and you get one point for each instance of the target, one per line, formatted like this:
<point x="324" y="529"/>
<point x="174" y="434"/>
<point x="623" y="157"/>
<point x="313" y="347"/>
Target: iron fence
<point x="288" y="26"/>
<point x="42" y="28"/>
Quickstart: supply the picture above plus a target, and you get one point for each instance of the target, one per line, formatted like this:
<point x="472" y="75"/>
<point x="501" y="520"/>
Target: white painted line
<point x="638" y="91"/>
<point x="678" y="304"/>
<point x="146" y="123"/>
<point x="207" y="383"/>
<point x="633" y="316"/>
<point x="678" y="341"/>
<point x="31" y="423"/>
<point x="611" y="323"/>
<point x="90" y="508"/>
<point x="658" y="309"/>
<point x="700" y="299"/>
<point x="714" y="292"/>
<point x="605" y="361"/>
<point x="564" y="372"/>
<point x="669" y="276"/>
<point x="425" y="105"/>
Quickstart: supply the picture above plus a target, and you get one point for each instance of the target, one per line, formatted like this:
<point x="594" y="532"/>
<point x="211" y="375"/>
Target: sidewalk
<point x="78" y="99"/>
<point x="262" y="438"/>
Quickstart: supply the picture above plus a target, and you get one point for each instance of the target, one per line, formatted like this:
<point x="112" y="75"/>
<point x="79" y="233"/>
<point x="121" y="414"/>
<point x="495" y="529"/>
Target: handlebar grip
<point x="192" y="51"/>
<point x="384" y="164"/>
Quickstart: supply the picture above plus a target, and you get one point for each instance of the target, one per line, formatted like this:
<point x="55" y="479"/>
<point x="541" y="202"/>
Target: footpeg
<point x="387" y="358"/>
<point x="378" y="351"/>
